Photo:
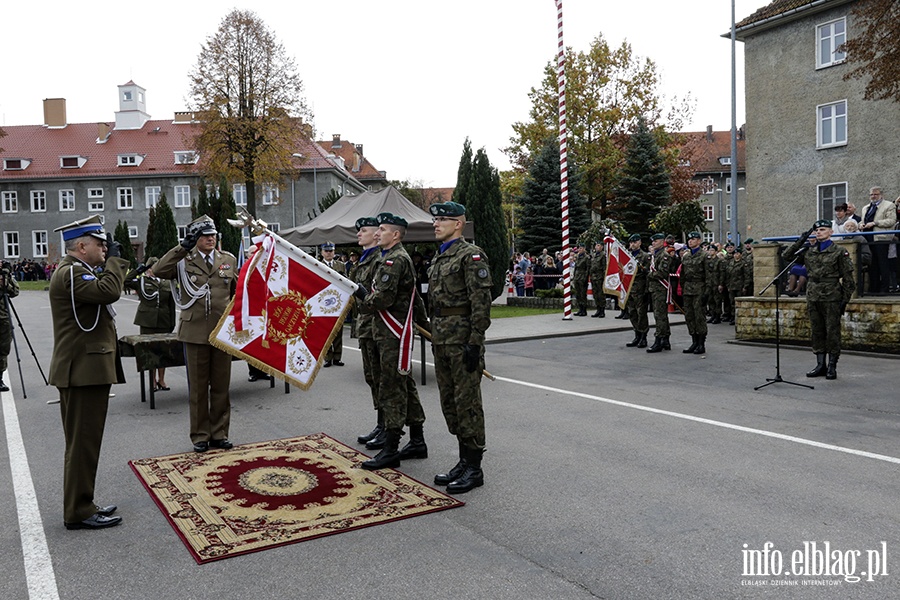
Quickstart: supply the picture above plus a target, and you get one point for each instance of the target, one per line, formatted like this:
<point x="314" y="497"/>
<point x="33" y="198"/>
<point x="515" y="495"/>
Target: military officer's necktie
<point x="209" y="261"/>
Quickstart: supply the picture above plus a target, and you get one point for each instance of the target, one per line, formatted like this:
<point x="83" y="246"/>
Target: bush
<point x="551" y="293"/>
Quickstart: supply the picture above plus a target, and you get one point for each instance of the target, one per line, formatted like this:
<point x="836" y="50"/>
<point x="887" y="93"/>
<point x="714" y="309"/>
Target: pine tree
<point x="541" y="215"/>
<point x="151" y="233"/>
<point x="463" y="175"/>
<point x="225" y="209"/>
<point x="483" y="208"/>
<point x="121" y="236"/>
<point x="165" y="233"/>
<point x="203" y="203"/>
<point x="644" y="188"/>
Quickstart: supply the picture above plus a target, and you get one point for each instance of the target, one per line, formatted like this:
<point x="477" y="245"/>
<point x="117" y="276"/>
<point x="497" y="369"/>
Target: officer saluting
<point x="85" y="362"/>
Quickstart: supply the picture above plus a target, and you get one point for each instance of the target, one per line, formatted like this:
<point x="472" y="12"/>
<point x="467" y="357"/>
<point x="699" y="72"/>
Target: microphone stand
<point x="777" y="283"/>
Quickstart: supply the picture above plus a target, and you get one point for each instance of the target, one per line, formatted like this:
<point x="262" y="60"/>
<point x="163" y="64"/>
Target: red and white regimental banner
<point x="286" y="311"/>
<point x="563" y="164"/>
<point x="620" y="269"/>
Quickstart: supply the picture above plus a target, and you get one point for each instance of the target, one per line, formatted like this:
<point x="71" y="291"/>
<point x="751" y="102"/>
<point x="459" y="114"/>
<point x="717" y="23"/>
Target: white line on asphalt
<point x="39" y="573"/>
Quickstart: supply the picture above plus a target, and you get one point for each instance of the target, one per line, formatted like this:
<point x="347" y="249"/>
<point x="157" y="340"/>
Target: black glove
<point x="189" y="241"/>
<point x="471" y="357"/>
<point x="808" y="233"/>
<point x="843" y="307"/>
<point x="360" y="293"/>
<point x="113" y="248"/>
<point x="141" y="269"/>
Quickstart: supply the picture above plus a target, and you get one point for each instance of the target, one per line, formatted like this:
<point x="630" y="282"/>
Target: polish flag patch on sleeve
<point x="388" y="263"/>
<point x="476" y="257"/>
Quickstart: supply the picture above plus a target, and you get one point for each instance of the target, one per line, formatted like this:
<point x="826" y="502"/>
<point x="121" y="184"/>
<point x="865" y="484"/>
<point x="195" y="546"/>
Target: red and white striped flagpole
<point x="563" y="165"/>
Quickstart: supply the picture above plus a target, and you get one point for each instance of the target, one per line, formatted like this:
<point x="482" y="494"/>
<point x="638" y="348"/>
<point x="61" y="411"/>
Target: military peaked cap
<point x="822" y="223"/>
<point x="447" y="209"/>
<point x="389" y="219"/>
<point x="88" y="226"/>
<point x="366" y="222"/>
<point x="327" y="246"/>
<point x="658" y="236"/>
<point x="202" y="225"/>
<point x="635" y="237"/>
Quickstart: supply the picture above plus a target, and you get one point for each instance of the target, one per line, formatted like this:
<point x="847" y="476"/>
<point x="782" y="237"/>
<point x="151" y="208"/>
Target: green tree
<point x="644" y="187"/>
<point x="121" y="235"/>
<point x="874" y="49"/>
<point x="680" y="219"/>
<point x="328" y="199"/>
<point x="483" y="202"/>
<point x="203" y="202"/>
<point x="225" y="209"/>
<point x="165" y="233"/>
<point x="249" y="98"/>
<point x="151" y="232"/>
<point x="463" y="174"/>
<point x="541" y="210"/>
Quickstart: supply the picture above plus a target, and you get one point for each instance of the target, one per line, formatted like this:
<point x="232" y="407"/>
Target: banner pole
<point x="563" y="165"/>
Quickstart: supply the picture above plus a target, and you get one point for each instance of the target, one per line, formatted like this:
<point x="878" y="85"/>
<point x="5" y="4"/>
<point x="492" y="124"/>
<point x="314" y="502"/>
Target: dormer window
<point x="15" y="164"/>
<point x="725" y="160"/>
<point x="130" y="160"/>
<point x="186" y="157"/>
<point x="72" y="162"/>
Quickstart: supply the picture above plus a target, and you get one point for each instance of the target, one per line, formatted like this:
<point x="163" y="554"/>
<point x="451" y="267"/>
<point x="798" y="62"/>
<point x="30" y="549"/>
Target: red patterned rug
<point x="259" y="496"/>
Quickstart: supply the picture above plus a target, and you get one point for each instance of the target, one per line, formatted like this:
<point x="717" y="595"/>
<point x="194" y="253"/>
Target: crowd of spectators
<point x="31" y="270"/>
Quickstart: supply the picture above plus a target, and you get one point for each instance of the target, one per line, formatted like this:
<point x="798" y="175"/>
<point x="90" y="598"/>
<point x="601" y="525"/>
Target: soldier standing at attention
<point x="736" y="280"/>
<point x="85" y="360"/>
<point x="207" y="279"/>
<point x="390" y="300"/>
<point x="636" y="304"/>
<point x="459" y="285"/>
<point x="598" y="277"/>
<point x="693" y="282"/>
<point x="661" y="266"/>
<point x="714" y="264"/>
<point x="580" y="279"/>
<point x="9" y="288"/>
<point x="336" y="350"/>
<point x="829" y="288"/>
<point x="156" y="311"/>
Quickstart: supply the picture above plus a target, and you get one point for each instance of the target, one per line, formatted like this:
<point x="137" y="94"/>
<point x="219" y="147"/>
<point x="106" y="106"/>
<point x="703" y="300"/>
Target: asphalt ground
<point x="610" y="473"/>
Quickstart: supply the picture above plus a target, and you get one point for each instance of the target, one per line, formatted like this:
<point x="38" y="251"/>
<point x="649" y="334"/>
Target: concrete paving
<point x="610" y="473"/>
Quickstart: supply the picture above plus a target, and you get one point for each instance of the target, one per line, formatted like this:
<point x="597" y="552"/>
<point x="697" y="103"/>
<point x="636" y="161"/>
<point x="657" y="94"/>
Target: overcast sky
<point x="408" y="79"/>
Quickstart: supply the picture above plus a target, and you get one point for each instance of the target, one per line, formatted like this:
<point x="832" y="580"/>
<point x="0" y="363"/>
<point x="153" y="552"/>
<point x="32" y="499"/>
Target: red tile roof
<point x="774" y="9"/>
<point x="704" y="151"/>
<point x="354" y="161"/>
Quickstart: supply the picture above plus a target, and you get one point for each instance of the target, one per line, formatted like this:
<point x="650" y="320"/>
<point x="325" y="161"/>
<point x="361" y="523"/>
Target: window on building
<point x="830" y="36"/>
<point x="9" y="202"/>
<point x="95" y="206"/>
<point x="72" y="162"/>
<point x="270" y="195"/>
<point x="130" y="160"/>
<point x="95" y="193"/>
<point x="728" y="211"/>
<point x="151" y="195"/>
<point x="126" y="96"/>
<point x="830" y="195"/>
<point x="186" y="157"/>
<point x="709" y="237"/>
<point x="709" y="213"/>
<point x="10" y="244"/>
<point x="274" y="227"/>
<point x="15" y="164"/>
<point x="132" y="231"/>
<point x="832" y="124"/>
<point x="709" y="185"/>
<point x="240" y="194"/>
<point x="182" y="196"/>
<point x="39" y="243"/>
<point x="126" y="198"/>
<point x="182" y="232"/>
<point x="38" y="201"/>
<point x="728" y="185"/>
<point x="67" y="200"/>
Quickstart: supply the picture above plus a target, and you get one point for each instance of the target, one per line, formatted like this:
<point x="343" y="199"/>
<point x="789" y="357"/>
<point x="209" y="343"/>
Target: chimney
<point x="54" y="112"/>
<point x="709" y="133"/>
<point x="359" y="149"/>
<point x="336" y="140"/>
<point x="103" y="130"/>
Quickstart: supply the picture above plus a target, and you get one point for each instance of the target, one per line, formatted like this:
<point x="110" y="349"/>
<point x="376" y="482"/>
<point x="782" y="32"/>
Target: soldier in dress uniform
<point x="156" y="310"/>
<point x="336" y="350"/>
<point x="206" y="279"/>
<point x="388" y="300"/>
<point x="580" y="279"/>
<point x="636" y="304"/>
<point x="661" y="266"/>
<point x="693" y="282"/>
<point x="829" y="289"/>
<point x="598" y="276"/>
<point x="9" y="288"/>
<point x="736" y="280"/>
<point x="85" y="360"/>
<point x="459" y="284"/>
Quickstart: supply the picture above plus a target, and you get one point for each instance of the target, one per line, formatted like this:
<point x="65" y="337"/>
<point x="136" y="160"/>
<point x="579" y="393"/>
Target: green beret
<point x="738" y="250"/>
<point x="635" y="237"/>
<point x="389" y="219"/>
<point x="447" y="209"/>
<point x="657" y="236"/>
<point x="822" y="223"/>
<point x="366" y="222"/>
<point x="695" y="235"/>
<point x="729" y="244"/>
<point x="749" y="241"/>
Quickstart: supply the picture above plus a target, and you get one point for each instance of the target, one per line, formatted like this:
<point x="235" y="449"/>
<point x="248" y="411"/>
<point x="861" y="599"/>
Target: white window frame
<point x="832" y="122"/>
<point x="9" y="201"/>
<point x="132" y="231"/>
<point x="125" y="198"/>
<point x="38" y="201"/>
<point x="66" y="200"/>
<point x="182" y="232"/>
<point x="709" y="237"/>
<point x="95" y="193"/>
<point x="239" y="193"/>
<point x="826" y="32"/>
<point x="152" y="194"/>
<point x="16" y="164"/>
<point x="709" y="212"/>
<point x="39" y="245"/>
<point x="129" y="160"/>
<point x="728" y="211"/>
<point x="95" y="206"/>
<point x="274" y="227"/>
<point x="11" y="246"/>
<point x="186" y="157"/>
<point x="79" y="159"/>
<point x="180" y="192"/>
<point x="728" y="185"/>
<point x="270" y="195"/>
<point x="835" y="199"/>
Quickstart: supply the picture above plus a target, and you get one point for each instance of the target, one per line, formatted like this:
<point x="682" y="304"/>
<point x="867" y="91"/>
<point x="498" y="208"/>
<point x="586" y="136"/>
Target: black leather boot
<point x="455" y="472"/>
<point x="665" y="343"/>
<point x="635" y="341"/>
<point x="389" y="457"/>
<point x="471" y="477"/>
<point x="597" y="314"/>
<point x="690" y="349"/>
<point x="623" y="314"/>
<point x="377" y="443"/>
<point x="820" y="368"/>
<point x="716" y="320"/>
<point x="602" y="311"/>
<point x="701" y="345"/>
<point x="643" y="342"/>
<point x="368" y="437"/>
<point x="657" y="345"/>
<point x="831" y="373"/>
<point x="416" y="447"/>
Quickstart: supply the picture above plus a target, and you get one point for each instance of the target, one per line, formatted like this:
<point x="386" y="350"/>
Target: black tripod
<point x="777" y="283"/>
<point x="11" y="311"/>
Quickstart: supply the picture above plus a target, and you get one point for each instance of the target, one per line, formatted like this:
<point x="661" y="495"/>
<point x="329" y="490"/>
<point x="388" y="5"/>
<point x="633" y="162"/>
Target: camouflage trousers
<point x="694" y="315"/>
<point x="714" y="301"/>
<point x="5" y="342"/>
<point x="637" y="312"/>
<point x="371" y="366"/>
<point x="579" y="289"/>
<point x="460" y="393"/>
<point x="398" y="397"/>
<point x="661" y="312"/>
<point x="336" y="349"/>
<point x="825" y="326"/>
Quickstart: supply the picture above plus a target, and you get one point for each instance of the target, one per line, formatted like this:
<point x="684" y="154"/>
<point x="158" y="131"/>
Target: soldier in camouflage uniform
<point x="9" y="288"/>
<point x="828" y="290"/>
<point x="334" y="352"/>
<point x="693" y="282"/>
<point x="580" y="280"/>
<point x="392" y="291"/>
<point x="636" y="305"/>
<point x="714" y="279"/>
<point x="661" y="266"/>
<point x="459" y="290"/>
<point x="598" y="276"/>
<point x="736" y="280"/>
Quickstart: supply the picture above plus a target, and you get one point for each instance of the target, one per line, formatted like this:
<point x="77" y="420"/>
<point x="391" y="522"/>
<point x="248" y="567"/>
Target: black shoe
<point x="221" y="444"/>
<point x="337" y="363"/>
<point x="831" y="372"/>
<point x="820" y="368"/>
<point x="95" y="521"/>
<point x="452" y="475"/>
<point x="327" y="364"/>
<point x="665" y="343"/>
<point x="201" y="446"/>
<point x="471" y="477"/>
<point x="253" y="378"/>
<point x="635" y="341"/>
<point x="716" y="320"/>
<point x="657" y="345"/>
<point x="363" y="439"/>
<point x="690" y="349"/>
<point x="378" y="442"/>
<point x="701" y="345"/>
<point x="3" y="386"/>
<point x="107" y="511"/>
<point x="414" y="449"/>
<point x="389" y="457"/>
<point x="596" y="314"/>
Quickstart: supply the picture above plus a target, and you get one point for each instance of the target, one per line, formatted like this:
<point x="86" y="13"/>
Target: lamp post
<point x="721" y="219"/>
